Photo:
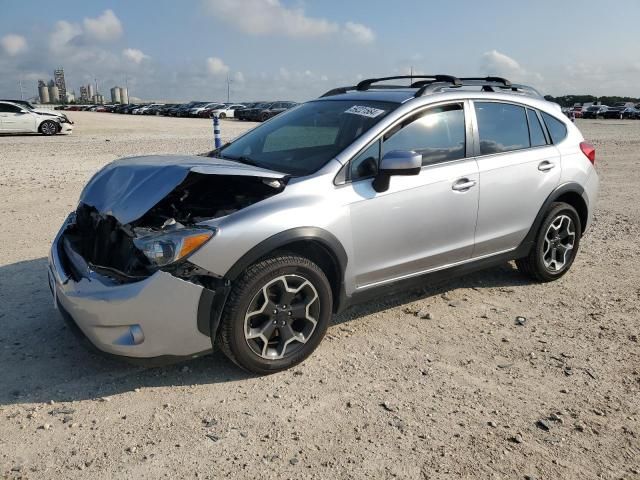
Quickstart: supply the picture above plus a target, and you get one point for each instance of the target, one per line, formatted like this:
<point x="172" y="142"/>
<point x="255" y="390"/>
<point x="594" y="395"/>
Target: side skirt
<point x="376" y="292"/>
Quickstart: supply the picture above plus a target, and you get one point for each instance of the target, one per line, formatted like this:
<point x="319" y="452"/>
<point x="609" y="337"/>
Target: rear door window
<point x="557" y="129"/>
<point x="502" y="127"/>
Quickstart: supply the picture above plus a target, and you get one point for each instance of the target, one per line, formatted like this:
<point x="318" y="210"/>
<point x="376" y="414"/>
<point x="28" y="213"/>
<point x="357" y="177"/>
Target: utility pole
<point x="21" y="90"/>
<point x="411" y="75"/>
<point x="228" y="89"/>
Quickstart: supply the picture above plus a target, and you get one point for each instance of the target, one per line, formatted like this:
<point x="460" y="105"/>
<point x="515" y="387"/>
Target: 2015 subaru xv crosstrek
<point x="364" y="190"/>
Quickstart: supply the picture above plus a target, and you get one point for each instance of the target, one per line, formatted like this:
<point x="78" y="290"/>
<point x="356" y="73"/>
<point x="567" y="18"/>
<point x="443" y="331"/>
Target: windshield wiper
<point x="242" y="159"/>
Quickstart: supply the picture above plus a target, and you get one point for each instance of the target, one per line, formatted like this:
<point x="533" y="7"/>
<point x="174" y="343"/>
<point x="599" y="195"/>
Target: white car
<point x="16" y="118"/>
<point x="227" y="111"/>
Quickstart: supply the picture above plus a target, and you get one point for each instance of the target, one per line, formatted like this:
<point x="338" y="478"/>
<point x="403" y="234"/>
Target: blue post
<point x="217" y="140"/>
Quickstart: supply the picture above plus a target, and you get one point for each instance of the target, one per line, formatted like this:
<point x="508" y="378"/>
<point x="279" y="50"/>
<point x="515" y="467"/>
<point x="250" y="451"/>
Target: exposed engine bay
<point x="116" y="250"/>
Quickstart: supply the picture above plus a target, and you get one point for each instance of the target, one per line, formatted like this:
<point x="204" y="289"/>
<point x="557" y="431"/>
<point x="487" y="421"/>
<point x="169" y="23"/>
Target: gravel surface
<point x="447" y="382"/>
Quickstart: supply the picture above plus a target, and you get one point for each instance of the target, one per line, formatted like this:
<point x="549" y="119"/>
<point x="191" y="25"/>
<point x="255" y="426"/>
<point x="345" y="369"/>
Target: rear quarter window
<point x="557" y="129"/>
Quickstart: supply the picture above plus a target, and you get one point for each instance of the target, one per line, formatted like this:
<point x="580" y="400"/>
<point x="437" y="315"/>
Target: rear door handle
<point x="545" y="166"/>
<point x="463" y="184"/>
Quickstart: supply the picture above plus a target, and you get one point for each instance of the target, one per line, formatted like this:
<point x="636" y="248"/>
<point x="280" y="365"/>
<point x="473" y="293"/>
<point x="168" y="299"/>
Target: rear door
<point x="518" y="170"/>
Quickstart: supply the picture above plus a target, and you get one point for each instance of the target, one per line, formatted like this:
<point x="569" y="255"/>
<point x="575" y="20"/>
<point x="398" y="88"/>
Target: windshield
<point x="303" y="139"/>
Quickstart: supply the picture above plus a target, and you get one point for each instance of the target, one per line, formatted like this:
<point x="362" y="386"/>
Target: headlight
<point x="165" y="248"/>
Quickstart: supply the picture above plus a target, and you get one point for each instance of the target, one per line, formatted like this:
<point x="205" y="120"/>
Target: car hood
<point x="127" y="188"/>
<point x="48" y="113"/>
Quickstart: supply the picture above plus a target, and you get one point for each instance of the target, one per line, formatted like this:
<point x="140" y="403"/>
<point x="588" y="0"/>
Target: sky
<point x="298" y="49"/>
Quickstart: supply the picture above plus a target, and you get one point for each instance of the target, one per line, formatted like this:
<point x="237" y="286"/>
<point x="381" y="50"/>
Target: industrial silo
<point x="54" y="94"/>
<point x="43" y="92"/>
<point x="115" y="95"/>
<point x="124" y="95"/>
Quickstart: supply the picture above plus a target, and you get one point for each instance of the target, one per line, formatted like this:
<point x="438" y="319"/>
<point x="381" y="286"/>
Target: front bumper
<point x="66" y="128"/>
<point x="151" y="318"/>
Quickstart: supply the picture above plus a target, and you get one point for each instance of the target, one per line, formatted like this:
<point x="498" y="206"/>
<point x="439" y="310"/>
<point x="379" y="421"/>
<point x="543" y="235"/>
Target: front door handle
<point x="545" y="166"/>
<point x="463" y="184"/>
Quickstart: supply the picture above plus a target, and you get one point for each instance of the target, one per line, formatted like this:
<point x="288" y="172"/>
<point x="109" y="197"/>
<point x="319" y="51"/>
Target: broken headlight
<point x="164" y="248"/>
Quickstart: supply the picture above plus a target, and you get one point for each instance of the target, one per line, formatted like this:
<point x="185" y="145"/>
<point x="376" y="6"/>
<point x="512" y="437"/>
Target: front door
<point x="421" y="222"/>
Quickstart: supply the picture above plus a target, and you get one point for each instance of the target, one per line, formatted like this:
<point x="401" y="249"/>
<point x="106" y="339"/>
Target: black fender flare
<point x="212" y="303"/>
<point x="569" y="187"/>
<point x="282" y="239"/>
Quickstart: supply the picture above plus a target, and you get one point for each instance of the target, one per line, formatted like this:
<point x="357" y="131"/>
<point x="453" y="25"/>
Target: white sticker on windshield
<point x="365" y="111"/>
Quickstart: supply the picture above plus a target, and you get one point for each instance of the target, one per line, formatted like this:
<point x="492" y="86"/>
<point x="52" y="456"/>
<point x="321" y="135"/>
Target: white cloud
<point x="271" y="17"/>
<point x="105" y="28"/>
<point x="216" y="66"/>
<point x="238" y="77"/>
<point x="494" y="62"/>
<point x="359" y="33"/>
<point x="62" y="34"/>
<point x="134" y="55"/>
<point x="13" y="44"/>
<point x="263" y="17"/>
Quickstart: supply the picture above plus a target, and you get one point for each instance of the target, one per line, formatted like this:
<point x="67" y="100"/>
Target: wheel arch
<point x="570" y="193"/>
<point x="317" y="244"/>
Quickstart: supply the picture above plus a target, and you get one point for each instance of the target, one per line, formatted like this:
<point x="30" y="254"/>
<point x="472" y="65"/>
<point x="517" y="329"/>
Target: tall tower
<point x="58" y="77"/>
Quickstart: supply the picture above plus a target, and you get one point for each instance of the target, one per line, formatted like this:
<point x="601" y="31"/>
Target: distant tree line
<point x="570" y="100"/>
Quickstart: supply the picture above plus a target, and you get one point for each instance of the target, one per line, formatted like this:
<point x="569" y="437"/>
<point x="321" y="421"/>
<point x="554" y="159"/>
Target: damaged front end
<point x="145" y="214"/>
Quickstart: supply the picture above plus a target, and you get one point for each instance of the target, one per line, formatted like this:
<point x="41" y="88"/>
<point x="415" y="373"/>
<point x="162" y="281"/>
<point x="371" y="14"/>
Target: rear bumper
<point x="153" y="318"/>
<point x="590" y="195"/>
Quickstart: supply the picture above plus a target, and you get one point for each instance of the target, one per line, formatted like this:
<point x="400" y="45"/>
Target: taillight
<point x="589" y="151"/>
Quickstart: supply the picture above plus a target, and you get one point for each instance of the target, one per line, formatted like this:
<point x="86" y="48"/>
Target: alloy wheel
<point x="559" y="241"/>
<point x="48" y="128"/>
<point x="282" y="317"/>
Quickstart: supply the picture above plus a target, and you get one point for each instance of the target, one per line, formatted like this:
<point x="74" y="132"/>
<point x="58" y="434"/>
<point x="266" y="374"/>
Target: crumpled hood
<point x="49" y="113"/>
<point x="127" y="188"/>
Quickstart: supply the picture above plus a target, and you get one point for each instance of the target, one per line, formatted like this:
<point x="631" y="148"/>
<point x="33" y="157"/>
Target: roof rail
<point x="366" y="84"/>
<point x="437" y="83"/>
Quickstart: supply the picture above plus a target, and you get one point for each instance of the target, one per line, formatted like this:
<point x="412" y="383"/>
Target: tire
<point x="542" y="264"/>
<point x="244" y="327"/>
<point x="264" y="117"/>
<point x="48" y="127"/>
<point x="222" y="115"/>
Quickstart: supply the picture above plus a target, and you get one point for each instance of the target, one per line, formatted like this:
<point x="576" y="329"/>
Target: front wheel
<point x="48" y="127"/>
<point x="277" y="313"/>
<point x="556" y="244"/>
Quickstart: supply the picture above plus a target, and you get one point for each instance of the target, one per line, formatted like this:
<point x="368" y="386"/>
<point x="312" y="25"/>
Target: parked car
<point x="185" y="109"/>
<point x="362" y="192"/>
<point x="198" y="108"/>
<point x="224" y="111"/>
<point x="631" y="113"/>
<point x="241" y="113"/>
<point x="613" y="112"/>
<point x="275" y="109"/>
<point x="594" y="111"/>
<point x="577" y="111"/>
<point x="253" y="114"/>
<point x="18" y="118"/>
<point x="29" y="106"/>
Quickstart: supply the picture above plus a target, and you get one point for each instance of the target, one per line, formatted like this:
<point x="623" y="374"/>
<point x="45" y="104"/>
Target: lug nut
<point x="275" y="312"/>
<point x="289" y="313"/>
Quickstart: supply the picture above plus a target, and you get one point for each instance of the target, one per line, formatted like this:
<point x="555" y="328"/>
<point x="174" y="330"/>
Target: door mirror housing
<point x="396" y="162"/>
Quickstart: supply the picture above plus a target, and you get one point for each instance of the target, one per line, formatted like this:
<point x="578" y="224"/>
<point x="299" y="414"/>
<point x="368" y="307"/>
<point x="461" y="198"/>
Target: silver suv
<point x="361" y="192"/>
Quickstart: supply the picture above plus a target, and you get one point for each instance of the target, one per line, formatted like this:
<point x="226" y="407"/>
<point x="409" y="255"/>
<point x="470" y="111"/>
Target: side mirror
<point x="396" y="162"/>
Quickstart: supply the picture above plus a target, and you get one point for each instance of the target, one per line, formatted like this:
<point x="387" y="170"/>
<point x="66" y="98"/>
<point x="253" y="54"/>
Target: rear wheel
<point x="222" y="115"/>
<point x="264" y="117"/>
<point x="277" y="313"/>
<point x="556" y="244"/>
<point x="48" y="127"/>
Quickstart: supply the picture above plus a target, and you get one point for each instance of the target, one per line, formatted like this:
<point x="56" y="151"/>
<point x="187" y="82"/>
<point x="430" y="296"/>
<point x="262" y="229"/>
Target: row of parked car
<point x="621" y="111"/>
<point x="253" y="111"/>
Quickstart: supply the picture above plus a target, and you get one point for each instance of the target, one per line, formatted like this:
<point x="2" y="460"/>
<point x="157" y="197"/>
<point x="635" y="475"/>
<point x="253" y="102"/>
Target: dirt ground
<point x="467" y="393"/>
